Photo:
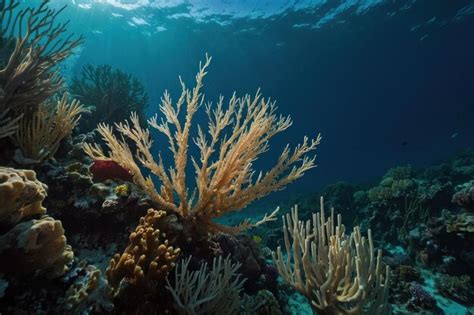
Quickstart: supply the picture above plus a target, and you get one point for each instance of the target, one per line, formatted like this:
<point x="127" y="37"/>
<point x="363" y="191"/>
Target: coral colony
<point x="98" y="222"/>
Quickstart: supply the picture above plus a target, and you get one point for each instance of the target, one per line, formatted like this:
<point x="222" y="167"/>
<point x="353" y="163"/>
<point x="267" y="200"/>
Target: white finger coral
<point x="225" y="179"/>
<point x="339" y="274"/>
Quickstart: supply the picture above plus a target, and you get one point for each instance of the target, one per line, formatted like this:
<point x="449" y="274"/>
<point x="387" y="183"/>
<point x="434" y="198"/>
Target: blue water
<point x="385" y="82"/>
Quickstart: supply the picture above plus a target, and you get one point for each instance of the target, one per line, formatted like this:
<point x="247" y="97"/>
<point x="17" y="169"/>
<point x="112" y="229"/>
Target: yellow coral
<point x="21" y="195"/>
<point x="146" y="258"/>
<point x="225" y="178"/>
<point x="338" y="273"/>
<point x="122" y="190"/>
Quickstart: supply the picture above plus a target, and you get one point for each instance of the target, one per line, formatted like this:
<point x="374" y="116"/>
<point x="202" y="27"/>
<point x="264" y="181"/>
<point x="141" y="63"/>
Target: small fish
<point x="454" y="135"/>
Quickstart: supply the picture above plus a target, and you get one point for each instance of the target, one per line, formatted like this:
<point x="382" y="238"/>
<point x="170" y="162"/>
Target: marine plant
<point x="113" y="93"/>
<point x="225" y="178"/>
<point x="336" y="272"/>
<point x="31" y="74"/>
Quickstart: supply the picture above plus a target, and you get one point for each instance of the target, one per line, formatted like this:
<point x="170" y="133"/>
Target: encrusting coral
<point x="21" y="195"/>
<point x="112" y="92"/>
<point x="146" y="259"/>
<point x="30" y="75"/>
<point x="223" y="185"/>
<point x="39" y="137"/>
<point x="337" y="273"/>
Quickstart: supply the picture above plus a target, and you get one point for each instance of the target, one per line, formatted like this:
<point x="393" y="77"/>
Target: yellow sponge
<point x="21" y="195"/>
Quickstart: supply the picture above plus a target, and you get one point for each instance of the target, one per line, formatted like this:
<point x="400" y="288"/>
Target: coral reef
<point x="125" y="261"/>
<point x="112" y="93"/>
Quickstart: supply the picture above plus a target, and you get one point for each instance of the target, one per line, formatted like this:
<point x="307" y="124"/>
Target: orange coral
<point x="146" y="258"/>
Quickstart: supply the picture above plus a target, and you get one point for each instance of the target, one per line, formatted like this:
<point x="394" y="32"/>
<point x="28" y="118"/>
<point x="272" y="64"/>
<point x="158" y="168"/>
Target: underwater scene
<point x="248" y="157"/>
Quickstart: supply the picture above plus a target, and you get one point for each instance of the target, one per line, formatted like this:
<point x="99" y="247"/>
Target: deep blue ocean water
<point x="386" y="82"/>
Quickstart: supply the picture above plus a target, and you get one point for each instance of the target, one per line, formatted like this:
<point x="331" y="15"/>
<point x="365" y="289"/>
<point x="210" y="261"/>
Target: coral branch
<point x="237" y="136"/>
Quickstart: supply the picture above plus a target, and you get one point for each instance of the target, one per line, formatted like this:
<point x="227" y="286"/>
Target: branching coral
<point x="113" y="93"/>
<point x="31" y="74"/>
<point x="338" y="273"/>
<point x="40" y="137"/>
<point x="146" y="258"/>
<point x="214" y="291"/>
<point x="225" y="179"/>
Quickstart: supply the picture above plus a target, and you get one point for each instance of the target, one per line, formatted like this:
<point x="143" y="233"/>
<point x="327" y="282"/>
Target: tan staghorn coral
<point x="21" y="195"/>
<point x="225" y="179"/>
<point x="337" y="273"/>
<point x="40" y="137"/>
<point x="31" y="75"/>
<point x="35" y="247"/>
<point x="146" y="258"/>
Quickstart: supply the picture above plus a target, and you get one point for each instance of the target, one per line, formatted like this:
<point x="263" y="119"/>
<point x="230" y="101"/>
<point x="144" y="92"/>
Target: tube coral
<point x="338" y="273"/>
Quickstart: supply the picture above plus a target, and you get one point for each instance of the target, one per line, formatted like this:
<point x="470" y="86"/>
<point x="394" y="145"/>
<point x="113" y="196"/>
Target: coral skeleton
<point x="336" y="272"/>
<point x="225" y="178"/>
